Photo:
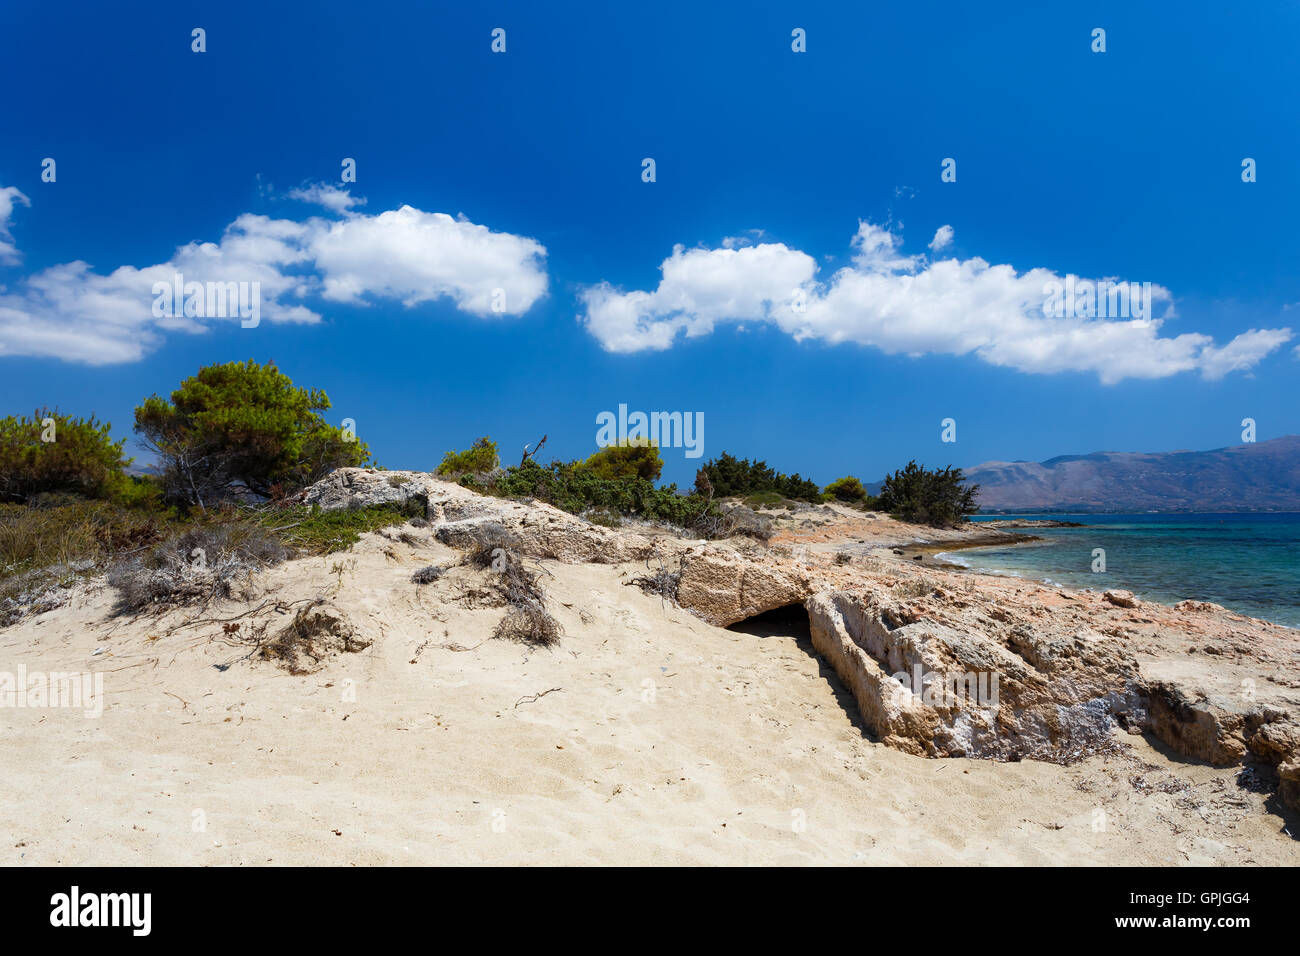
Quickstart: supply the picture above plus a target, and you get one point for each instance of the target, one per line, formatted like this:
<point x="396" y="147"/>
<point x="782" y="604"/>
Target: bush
<point x="242" y="424"/>
<point x="766" y="499"/>
<point x="576" y="490"/>
<point x="479" y="459"/>
<point x="52" y="452"/>
<point x="315" y="633"/>
<point x="198" y="566"/>
<point x="428" y="574"/>
<point x="937" y="498"/>
<point x="738" y="476"/>
<point x="745" y="521"/>
<point x="635" y="458"/>
<point x="846" y="489"/>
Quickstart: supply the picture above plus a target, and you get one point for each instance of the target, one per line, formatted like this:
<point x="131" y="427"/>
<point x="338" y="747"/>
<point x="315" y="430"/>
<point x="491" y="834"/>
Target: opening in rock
<point x="788" y="621"/>
<point x="791" y="623"/>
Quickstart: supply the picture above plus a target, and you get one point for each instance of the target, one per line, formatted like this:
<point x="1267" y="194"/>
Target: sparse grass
<point x="310" y="531"/>
<point x="915" y="587"/>
<point x="73" y="531"/>
<point x="47" y="545"/>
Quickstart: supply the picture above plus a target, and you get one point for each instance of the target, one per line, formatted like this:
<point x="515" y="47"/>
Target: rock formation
<point x="941" y="662"/>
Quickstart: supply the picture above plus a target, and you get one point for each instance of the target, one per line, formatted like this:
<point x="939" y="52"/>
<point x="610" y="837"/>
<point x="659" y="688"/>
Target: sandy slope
<point x="668" y="741"/>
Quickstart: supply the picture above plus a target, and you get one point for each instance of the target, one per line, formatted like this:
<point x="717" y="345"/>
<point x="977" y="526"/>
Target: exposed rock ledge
<point x="1070" y="667"/>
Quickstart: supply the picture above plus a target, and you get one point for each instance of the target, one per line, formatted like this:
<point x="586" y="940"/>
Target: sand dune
<point x="647" y="737"/>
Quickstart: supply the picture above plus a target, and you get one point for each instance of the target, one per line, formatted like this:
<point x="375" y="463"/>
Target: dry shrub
<point x="198" y="566"/>
<point x="526" y="619"/>
<point x="489" y="546"/>
<point x="479" y="538"/>
<point x="529" y="623"/>
<point x="661" y="581"/>
<point x="40" y="590"/>
<point x="745" y="521"/>
<point x="314" y="634"/>
<point x="428" y="574"/>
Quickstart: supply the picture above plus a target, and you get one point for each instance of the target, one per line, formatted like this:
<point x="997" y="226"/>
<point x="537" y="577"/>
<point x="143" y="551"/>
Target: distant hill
<point x="1262" y="476"/>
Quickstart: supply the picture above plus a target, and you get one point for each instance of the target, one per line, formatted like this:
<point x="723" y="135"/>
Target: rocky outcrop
<point x="940" y="678"/>
<point x="723" y="587"/>
<point x="1220" y="731"/>
<point x="1120" y="598"/>
<point x="458" y="516"/>
<point x="940" y="663"/>
<point x="1213" y="729"/>
<point x="928" y="688"/>
<point x="1278" y="743"/>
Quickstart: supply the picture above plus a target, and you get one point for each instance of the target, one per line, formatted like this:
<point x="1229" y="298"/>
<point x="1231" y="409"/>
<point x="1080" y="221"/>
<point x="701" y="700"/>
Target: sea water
<point x="1249" y="563"/>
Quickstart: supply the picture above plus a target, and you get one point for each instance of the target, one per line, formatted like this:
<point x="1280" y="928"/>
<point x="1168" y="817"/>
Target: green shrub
<point x="938" y="498"/>
<point x="53" y="452"/>
<point x="766" y="499"/>
<point x="576" y="489"/>
<point x="635" y="458"/>
<point x="478" y="459"/>
<point x="311" y="531"/>
<point x="738" y="476"/>
<point x="242" y="423"/>
<point x="846" y="489"/>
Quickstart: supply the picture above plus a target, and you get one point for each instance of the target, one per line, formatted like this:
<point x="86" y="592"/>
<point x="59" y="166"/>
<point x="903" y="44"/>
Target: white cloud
<point x="1243" y="352"/>
<point x="417" y="256"/>
<point x="942" y="239"/>
<point x="907" y="305"/>
<point x="331" y="197"/>
<point x="9" y="197"/>
<point x="699" y="287"/>
<point x="71" y="312"/>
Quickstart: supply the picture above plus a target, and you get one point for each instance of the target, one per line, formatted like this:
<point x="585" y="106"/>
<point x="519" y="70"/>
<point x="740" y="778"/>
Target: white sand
<point x="669" y="741"/>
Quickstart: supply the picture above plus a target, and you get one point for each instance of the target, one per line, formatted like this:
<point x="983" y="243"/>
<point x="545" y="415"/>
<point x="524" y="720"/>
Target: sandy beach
<point x="647" y="736"/>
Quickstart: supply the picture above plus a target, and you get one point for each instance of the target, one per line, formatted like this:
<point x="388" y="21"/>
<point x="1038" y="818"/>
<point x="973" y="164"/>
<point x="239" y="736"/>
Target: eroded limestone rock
<point x="932" y="689"/>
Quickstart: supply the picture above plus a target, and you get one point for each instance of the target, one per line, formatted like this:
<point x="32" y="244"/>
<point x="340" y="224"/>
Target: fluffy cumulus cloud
<point x="72" y="312"/>
<point x="417" y="256"/>
<point x="699" y="288"/>
<point x="1034" y="321"/>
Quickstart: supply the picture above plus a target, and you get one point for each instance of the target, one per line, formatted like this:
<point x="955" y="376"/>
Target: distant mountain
<point x="1261" y="476"/>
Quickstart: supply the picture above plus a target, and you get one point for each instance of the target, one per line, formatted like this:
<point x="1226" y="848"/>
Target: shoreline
<point x="920" y="552"/>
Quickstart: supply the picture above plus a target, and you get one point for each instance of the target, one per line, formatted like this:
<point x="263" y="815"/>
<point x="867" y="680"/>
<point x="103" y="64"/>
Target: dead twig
<point x="531" y="698"/>
<point x="529" y="454"/>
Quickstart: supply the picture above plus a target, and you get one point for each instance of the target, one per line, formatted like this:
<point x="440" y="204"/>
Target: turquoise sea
<point x="1247" y="562"/>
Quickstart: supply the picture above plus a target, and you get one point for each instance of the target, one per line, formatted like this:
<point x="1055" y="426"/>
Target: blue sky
<point x="1124" y="164"/>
